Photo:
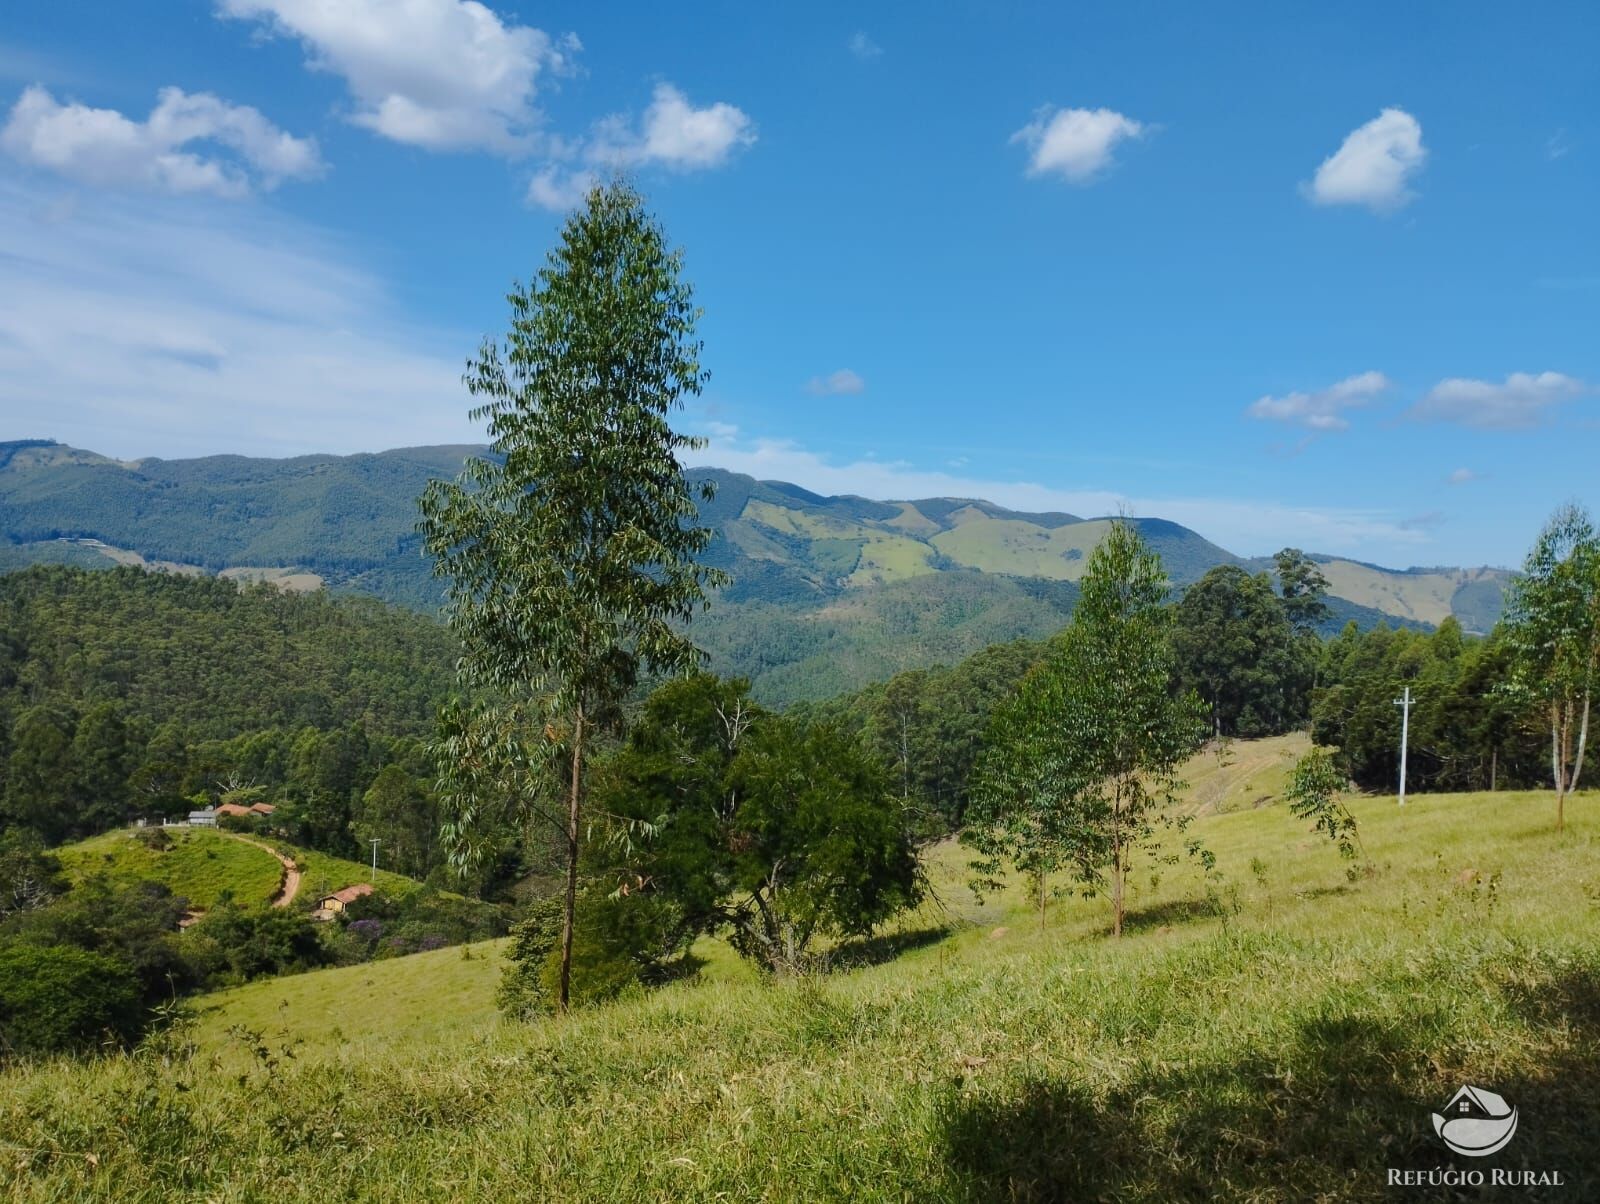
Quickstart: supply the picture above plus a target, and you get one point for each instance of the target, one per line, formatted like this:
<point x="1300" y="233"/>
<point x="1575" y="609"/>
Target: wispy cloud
<point x="863" y="47"/>
<point x="133" y="326"/>
<point x="1075" y="144"/>
<point x="1463" y="476"/>
<point x="834" y="384"/>
<point x="1322" y="410"/>
<point x="1247" y="526"/>
<point x="1374" y="166"/>
<point x="1520" y="401"/>
<point x="190" y="143"/>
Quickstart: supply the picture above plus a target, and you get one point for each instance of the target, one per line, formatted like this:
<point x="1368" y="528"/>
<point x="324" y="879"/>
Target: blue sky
<point x="1328" y="277"/>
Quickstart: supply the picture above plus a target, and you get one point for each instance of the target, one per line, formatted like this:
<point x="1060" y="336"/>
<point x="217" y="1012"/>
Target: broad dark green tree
<point x="570" y="549"/>
<point x="1553" y="629"/>
<point x="1237" y="648"/>
<point x="1083" y="764"/>
<point x="774" y="831"/>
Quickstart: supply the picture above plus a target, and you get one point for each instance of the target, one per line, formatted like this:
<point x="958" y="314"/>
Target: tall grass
<point x="1278" y="1033"/>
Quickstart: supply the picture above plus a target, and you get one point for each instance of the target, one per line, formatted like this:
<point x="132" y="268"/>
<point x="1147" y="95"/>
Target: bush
<point x="56" y="999"/>
<point x="521" y="994"/>
<point x="157" y="840"/>
<point x="245" y="943"/>
<point x="135" y="923"/>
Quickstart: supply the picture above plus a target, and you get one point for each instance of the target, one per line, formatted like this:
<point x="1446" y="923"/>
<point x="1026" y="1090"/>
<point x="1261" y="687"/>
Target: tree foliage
<point x="1083" y="761"/>
<point x="1237" y="645"/>
<point x="569" y="550"/>
<point x="1313" y="793"/>
<point x="1553" y="632"/>
<point x="774" y="831"/>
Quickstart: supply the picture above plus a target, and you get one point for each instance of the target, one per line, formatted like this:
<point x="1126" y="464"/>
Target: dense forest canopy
<point x="129" y="693"/>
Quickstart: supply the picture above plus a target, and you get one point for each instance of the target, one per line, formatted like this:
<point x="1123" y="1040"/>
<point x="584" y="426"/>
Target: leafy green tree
<point x="103" y="758"/>
<point x="570" y="550"/>
<point x="1315" y="784"/>
<point x="40" y="774"/>
<point x="402" y="815"/>
<point x="59" y="999"/>
<point x="1236" y="647"/>
<point x="1081" y="768"/>
<point x="776" y="831"/>
<point x="134" y="922"/>
<point x="30" y="878"/>
<point x="1553" y="629"/>
<point x="1304" y="589"/>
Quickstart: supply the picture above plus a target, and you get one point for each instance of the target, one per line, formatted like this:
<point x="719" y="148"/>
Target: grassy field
<point x="1242" y="773"/>
<point x="321" y="873"/>
<point x="1275" y="1031"/>
<point x="200" y="865"/>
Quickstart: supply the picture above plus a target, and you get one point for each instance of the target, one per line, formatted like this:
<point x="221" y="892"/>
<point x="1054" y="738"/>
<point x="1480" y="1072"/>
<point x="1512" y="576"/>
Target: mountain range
<point x="827" y="593"/>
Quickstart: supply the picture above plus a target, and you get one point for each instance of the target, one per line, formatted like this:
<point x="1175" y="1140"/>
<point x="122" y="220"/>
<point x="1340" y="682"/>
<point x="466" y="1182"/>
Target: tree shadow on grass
<point x="1325" y="1115"/>
<point x="1168" y="914"/>
<point x="884" y="947"/>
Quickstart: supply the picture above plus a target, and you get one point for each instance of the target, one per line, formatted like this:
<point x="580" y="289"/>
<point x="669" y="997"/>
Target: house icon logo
<point x="1476" y="1122"/>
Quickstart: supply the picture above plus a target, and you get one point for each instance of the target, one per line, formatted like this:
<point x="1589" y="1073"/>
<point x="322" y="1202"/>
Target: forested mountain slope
<point x="828" y="593"/>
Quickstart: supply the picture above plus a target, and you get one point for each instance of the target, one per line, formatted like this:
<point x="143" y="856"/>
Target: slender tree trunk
<point x="1116" y="862"/>
<point x="569" y="910"/>
<point x="1583" y="740"/>
<point x="1558" y="770"/>
<point x="1494" y="768"/>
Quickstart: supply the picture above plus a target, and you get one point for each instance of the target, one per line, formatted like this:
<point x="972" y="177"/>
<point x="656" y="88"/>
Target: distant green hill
<point x="827" y="593"/>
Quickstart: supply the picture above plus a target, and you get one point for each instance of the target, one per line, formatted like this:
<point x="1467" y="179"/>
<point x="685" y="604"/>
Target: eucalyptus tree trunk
<point x="570" y="904"/>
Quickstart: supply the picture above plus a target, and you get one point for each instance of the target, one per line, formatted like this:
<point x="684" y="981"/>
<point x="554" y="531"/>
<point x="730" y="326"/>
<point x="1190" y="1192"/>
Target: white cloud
<point x="863" y="47"/>
<point x="834" y="384"/>
<point x="672" y="134"/>
<point x="1374" y="166"/>
<point x="1322" y="410"/>
<point x="1244" y="526"/>
<point x="1463" y="476"/>
<point x="1522" y="400"/>
<point x="1076" y="144"/>
<point x="133" y="327"/>
<point x="190" y="143"/>
<point x="440" y="74"/>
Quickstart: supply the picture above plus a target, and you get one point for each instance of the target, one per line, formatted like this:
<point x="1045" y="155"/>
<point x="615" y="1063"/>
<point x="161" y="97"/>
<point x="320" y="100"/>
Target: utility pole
<point x="1404" y="702"/>
<point x="375" y="853"/>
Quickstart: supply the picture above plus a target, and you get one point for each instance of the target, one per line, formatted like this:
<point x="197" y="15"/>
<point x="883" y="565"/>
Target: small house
<point x="234" y="809"/>
<point x="203" y="819"/>
<point x="336" y="902"/>
<point x="263" y="808"/>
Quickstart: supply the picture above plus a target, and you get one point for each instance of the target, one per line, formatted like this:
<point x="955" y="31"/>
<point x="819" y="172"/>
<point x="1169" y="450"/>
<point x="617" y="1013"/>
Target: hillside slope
<point x="1277" y="1032"/>
<point x="950" y="573"/>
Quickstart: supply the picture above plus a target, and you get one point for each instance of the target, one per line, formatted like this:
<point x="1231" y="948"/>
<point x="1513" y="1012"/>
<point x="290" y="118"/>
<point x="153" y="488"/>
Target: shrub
<point x="157" y="840"/>
<point x="56" y="999"/>
<point x="521" y="994"/>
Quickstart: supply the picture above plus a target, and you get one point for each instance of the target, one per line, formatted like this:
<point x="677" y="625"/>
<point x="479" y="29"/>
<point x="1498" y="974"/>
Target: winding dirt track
<point x="291" y="876"/>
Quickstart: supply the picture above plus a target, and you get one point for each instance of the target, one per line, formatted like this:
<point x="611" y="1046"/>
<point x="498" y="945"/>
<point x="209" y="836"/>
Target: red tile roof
<point x="232" y="809"/>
